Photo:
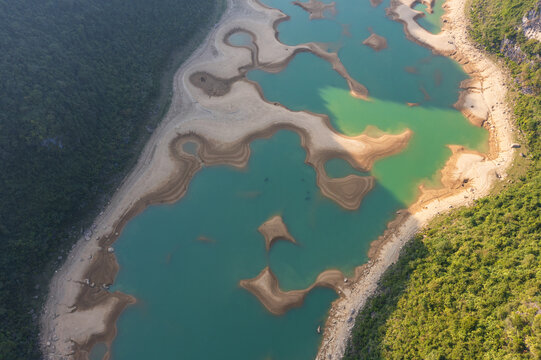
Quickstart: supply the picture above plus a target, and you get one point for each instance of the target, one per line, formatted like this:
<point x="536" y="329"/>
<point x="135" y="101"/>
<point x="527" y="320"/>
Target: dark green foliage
<point x="79" y="82"/>
<point x="492" y="22"/>
<point x="469" y="287"/>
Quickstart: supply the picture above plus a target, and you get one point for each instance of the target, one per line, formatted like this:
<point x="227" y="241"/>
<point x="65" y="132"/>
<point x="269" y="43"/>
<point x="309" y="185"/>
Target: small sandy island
<point x="273" y="230"/>
<point x="375" y="41"/>
<point x="215" y="114"/>
<point x="266" y="288"/>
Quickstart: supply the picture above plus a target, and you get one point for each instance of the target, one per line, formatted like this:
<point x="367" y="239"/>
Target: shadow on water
<point x="189" y="302"/>
<point x="368" y="334"/>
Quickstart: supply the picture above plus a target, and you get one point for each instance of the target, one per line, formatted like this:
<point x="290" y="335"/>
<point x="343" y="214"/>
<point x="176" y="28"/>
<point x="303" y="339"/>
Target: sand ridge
<point x="467" y="175"/>
<point x="221" y="121"/>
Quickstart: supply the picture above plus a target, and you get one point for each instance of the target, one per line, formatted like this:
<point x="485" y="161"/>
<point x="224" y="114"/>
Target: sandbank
<point x="275" y="229"/>
<point x="266" y="288"/>
<point x="316" y="8"/>
<point x="375" y="41"/>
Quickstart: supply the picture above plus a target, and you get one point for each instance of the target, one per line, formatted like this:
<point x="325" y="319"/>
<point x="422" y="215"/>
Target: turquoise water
<point x="337" y="168"/>
<point x="431" y="22"/>
<point x="240" y="38"/>
<point x="189" y="303"/>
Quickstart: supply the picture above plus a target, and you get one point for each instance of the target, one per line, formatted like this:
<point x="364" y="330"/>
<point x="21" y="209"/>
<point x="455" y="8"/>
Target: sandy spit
<point x="467" y="176"/>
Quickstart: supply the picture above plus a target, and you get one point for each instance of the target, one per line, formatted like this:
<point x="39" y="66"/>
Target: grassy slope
<point x="469" y="287"/>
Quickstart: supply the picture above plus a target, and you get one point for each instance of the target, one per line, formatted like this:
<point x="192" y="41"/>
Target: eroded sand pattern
<point x="273" y="230"/>
<point x="316" y="8"/>
<point x="267" y="289"/>
<point x="375" y="41"/>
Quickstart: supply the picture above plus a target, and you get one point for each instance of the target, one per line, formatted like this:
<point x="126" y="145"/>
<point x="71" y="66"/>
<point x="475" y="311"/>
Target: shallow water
<point x="431" y="22"/>
<point x="183" y="262"/>
<point x="240" y="38"/>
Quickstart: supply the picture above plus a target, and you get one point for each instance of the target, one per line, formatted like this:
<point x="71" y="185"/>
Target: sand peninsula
<point x="466" y="176"/>
<point x="217" y="111"/>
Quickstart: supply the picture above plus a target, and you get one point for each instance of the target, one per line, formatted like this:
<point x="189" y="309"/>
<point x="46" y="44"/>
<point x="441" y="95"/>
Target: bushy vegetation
<point x="82" y="85"/>
<point x="469" y="286"/>
<point x="495" y="23"/>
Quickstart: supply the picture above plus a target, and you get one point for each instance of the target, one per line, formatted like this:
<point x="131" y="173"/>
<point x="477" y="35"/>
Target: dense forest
<point x="82" y="84"/>
<point x="469" y="286"/>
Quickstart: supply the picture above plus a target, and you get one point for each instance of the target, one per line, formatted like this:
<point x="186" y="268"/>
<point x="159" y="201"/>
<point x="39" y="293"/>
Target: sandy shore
<point x="467" y="175"/>
<point x="218" y="110"/>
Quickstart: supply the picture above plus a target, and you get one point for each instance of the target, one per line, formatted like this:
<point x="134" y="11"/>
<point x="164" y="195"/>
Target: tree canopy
<point x="83" y="84"/>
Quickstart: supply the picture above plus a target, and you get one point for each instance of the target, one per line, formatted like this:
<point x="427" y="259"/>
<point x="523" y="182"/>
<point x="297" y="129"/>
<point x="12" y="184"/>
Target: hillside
<point x="469" y="286"/>
<point x="83" y="85"/>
